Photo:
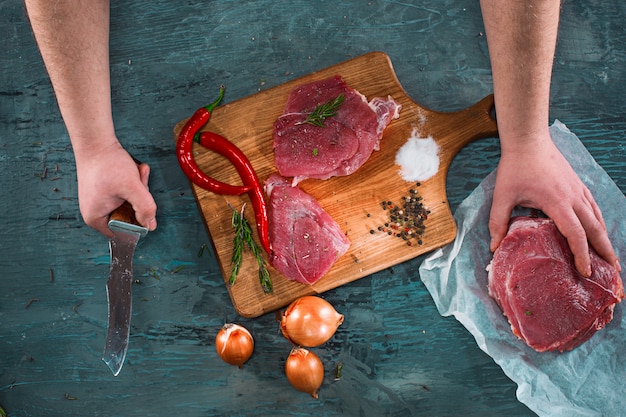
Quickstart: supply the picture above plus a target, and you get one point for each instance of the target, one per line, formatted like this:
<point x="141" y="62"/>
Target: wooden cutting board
<point x="353" y="201"/>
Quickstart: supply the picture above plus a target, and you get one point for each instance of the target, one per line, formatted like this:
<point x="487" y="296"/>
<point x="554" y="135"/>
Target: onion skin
<point x="305" y="371"/>
<point x="310" y="321"/>
<point x="234" y="344"/>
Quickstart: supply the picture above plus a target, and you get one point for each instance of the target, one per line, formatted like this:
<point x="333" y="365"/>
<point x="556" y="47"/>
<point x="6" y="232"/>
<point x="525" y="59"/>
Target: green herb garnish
<point x="338" y="371"/>
<point x="243" y="238"/>
<point x="324" y="111"/>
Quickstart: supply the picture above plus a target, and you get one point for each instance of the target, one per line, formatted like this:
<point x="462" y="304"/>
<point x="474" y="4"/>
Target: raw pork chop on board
<point x="306" y="241"/>
<point x="344" y="142"/>
<point x="549" y="305"/>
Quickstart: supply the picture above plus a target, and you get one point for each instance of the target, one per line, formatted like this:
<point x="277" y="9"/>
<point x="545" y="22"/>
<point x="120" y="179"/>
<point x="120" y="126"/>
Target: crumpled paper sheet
<point x="588" y="381"/>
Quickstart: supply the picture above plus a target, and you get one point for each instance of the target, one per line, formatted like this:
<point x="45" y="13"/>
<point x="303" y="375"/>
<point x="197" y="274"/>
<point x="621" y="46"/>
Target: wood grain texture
<point x="353" y="201"/>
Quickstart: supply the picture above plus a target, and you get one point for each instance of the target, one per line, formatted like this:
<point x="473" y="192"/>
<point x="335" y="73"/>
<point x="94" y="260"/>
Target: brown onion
<point x="310" y="321"/>
<point x="234" y="344"/>
<point x="304" y="371"/>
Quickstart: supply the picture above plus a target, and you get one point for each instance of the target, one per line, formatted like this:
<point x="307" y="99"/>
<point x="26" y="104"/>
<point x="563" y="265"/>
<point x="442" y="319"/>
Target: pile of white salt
<point x="418" y="158"/>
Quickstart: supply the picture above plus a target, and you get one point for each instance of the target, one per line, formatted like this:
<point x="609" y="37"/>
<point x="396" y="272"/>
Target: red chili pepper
<point x="223" y="146"/>
<point x="185" y="156"/>
<point x="251" y="184"/>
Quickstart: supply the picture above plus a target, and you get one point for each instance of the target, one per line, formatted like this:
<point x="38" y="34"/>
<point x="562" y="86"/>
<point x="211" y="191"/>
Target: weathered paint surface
<point x="399" y="356"/>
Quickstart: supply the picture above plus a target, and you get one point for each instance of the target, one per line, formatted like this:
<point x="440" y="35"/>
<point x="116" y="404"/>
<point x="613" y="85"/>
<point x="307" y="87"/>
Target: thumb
<point x="499" y="219"/>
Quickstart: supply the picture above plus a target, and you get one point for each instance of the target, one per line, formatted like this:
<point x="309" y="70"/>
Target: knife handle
<point x="124" y="213"/>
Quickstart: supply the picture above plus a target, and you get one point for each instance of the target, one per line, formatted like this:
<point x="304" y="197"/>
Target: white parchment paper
<point x="588" y="381"/>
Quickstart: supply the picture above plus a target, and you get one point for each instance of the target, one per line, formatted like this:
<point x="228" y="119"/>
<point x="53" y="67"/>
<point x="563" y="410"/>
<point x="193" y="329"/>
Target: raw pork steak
<point x="342" y="145"/>
<point x="549" y="305"/>
<point x="306" y="241"/>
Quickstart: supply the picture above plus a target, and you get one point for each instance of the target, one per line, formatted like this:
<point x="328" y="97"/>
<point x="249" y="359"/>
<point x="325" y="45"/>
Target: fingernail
<point x="152" y="224"/>
<point x="618" y="266"/>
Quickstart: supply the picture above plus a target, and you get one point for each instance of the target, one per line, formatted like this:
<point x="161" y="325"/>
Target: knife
<point x="126" y="233"/>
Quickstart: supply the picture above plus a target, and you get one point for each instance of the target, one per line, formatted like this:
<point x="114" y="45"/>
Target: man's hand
<point x="73" y="37"/>
<point x="108" y="177"/>
<point x="532" y="172"/>
<point x="536" y="175"/>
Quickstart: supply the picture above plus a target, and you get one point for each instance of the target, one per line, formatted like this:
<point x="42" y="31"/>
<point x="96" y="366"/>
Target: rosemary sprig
<point x="324" y="111"/>
<point x="243" y="238"/>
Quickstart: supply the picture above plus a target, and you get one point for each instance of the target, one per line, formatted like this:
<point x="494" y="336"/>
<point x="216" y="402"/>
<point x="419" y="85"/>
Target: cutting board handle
<point x="475" y="122"/>
<point x="454" y="130"/>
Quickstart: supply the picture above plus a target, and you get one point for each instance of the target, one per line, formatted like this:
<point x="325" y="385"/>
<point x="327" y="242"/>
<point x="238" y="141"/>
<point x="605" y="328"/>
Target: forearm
<point x="532" y="171"/>
<point x="73" y="37"/>
<point x="522" y="37"/>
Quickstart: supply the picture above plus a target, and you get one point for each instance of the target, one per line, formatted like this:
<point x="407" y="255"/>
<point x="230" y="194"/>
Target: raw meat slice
<point x="549" y="305"/>
<point x="343" y="144"/>
<point x="306" y="241"/>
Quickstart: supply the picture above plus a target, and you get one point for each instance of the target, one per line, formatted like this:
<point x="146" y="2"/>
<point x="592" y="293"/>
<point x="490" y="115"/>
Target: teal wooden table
<point x="400" y="357"/>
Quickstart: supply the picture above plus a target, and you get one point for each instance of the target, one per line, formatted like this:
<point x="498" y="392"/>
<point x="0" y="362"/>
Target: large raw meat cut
<point x="306" y="241"/>
<point x="549" y="305"/>
<point x="342" y="144"/>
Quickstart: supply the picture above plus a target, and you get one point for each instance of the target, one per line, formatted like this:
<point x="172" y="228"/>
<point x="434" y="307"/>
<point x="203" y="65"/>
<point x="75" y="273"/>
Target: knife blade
<point x="126" y="233"/>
